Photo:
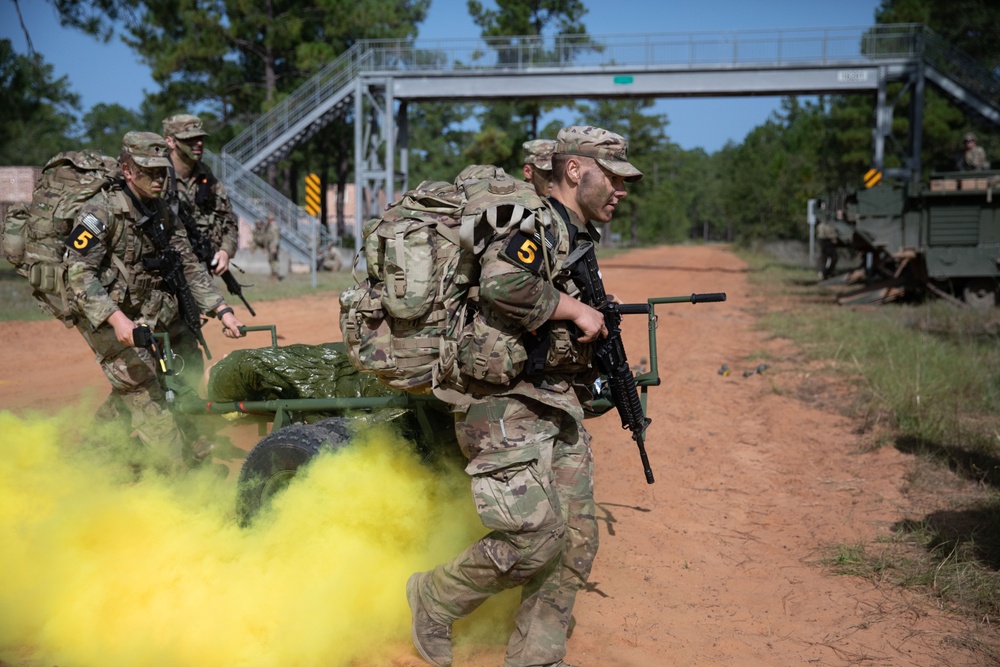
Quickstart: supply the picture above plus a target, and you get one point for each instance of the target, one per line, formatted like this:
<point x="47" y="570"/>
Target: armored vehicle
<point x="940" y="237"/>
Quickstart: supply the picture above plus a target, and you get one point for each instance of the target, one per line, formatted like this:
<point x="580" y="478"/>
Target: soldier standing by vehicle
<point x="538" y="164"/>
<point x="530" y="458"/>
<point x="118" y="235"/>
<point x="201" y="204"/>
<point x="974" y="158"/>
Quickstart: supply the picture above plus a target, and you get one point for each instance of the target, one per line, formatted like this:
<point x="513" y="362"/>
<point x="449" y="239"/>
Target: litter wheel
<point x="277" y="458"/>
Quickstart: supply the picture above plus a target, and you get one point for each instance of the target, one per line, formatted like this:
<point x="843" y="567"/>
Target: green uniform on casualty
<point x="112" y="292"/>
<point x="201" y="203"/>
<point x="530" y="459"/>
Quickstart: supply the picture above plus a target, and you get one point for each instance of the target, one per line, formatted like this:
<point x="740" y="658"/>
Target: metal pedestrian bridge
<point x="373" y="81"/>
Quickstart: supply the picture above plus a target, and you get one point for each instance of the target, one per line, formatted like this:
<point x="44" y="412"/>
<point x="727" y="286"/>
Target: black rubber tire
<point x="277" y="458"/>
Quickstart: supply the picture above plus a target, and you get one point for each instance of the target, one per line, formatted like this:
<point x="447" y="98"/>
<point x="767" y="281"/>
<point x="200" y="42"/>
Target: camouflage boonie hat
<point x="183" y="126"/>
<point x="538" y="152"/>
<point x="147" y="149"/>
<point x="609" y="149"/>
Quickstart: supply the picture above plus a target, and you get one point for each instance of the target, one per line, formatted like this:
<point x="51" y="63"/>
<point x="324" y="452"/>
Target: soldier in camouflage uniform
<point x="538" y="164"/>
<point x="113" y="291"/>
<point x="267" y="237"/>
<point x="200" y="201"/>
<point x="529" y="454"/>
<point x="974" y="158"/>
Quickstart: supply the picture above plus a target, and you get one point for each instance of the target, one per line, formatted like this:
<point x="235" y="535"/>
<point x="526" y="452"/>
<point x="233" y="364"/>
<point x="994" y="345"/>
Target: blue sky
<point x="110" y="73"/>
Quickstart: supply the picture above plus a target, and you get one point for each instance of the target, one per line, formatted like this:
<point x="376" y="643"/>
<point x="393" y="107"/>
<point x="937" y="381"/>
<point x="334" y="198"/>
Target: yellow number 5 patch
<point x="80" y="239"/>
<point x="527" y="252"/>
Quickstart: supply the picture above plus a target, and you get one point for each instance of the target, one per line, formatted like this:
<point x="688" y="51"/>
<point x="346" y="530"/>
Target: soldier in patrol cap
<point x="529" y="453"/>
<point x="974" y="157"/>
<point x="199" y="200"/>
<point x="115" y="237"/>
<point x="538" y="164"/>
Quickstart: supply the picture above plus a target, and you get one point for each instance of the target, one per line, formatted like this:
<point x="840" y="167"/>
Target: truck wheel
<point x="276" y="459"/>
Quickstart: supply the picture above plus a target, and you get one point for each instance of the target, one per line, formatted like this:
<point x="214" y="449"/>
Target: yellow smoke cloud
<point x="97" y="568"/>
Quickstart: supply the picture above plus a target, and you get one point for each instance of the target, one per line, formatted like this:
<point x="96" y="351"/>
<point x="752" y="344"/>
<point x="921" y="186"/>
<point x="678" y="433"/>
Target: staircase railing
<point x="256" y="199"/>
<point x="305" y="100"/>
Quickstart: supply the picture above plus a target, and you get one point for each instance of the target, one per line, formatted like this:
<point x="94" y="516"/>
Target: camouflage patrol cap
<point x="538" y="152"/>
<point x="183" y="126"/>
<point x="610" y="150"/>
<point x="970" y="137"/>
<point x="147" y="149"/>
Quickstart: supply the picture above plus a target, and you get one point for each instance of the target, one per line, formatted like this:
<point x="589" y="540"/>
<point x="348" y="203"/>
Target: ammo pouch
<point x="49" y="283"/>
<point x="565" y="354"/>
<point x="48" y="278"/>
<point x="490" y="355"/>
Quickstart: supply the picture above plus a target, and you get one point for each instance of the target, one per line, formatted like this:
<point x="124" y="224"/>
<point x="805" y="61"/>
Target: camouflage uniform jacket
<point x="975" y="159"/>
<point x="214" y="218"/>
<point x="516" y="297"/>
<point x="104" y="263"/>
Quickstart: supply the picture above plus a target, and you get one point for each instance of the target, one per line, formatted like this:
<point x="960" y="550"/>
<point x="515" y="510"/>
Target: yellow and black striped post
<point x="872" y="178"/>
<point x="313" y="205"/>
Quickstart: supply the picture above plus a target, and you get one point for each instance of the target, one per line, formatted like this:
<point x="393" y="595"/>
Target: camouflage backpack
<point x="404" y="321"/>
<point x="33" y="234"/>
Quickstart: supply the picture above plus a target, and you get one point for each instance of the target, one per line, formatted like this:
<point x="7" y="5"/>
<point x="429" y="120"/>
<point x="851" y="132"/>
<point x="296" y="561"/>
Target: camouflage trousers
<point x="273" y="261"/>
<point x="532" y="482"/>
<point x="135" y="386"/>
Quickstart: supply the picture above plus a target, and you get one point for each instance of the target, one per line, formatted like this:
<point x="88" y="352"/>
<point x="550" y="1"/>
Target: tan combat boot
<point x="432" y="639"/>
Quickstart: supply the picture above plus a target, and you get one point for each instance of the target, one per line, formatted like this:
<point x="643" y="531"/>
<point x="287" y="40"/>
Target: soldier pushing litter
<point x="129" y="263"/>
<point x="529" y="453"/>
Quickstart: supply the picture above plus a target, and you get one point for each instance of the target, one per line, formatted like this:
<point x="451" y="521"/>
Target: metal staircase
<point x="367" y="81"/>
<point x="254" y="199"/>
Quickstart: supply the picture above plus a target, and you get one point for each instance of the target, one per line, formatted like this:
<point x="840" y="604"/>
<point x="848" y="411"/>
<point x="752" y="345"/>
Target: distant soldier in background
<point x="266" y="236"/>
<point x="538" y="164"/>
<point x="200" y="202"/>
<point x="975" y="157"/>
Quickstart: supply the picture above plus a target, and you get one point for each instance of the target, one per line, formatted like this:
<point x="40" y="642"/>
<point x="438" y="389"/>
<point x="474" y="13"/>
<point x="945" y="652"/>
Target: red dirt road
<point x="718" y="562"/>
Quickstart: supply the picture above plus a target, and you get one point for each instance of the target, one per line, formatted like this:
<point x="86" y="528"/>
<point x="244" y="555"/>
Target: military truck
<point x="941" y="237"/>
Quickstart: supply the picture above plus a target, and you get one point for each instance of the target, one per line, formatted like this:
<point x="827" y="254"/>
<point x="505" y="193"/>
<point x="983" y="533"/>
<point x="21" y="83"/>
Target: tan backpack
<point x="33" y="235"/>
<point x="404" y="320"/>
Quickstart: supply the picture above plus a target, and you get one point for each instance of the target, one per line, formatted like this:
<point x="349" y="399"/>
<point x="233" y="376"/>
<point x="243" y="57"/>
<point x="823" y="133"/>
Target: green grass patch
<point x="950" y="554"/>
<point x="927" y="380"/>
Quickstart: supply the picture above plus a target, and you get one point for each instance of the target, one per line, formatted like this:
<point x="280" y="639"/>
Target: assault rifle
<point x="609" y="355"/>
<point x="167" y="263"/>
<point x="201" y="246"/>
